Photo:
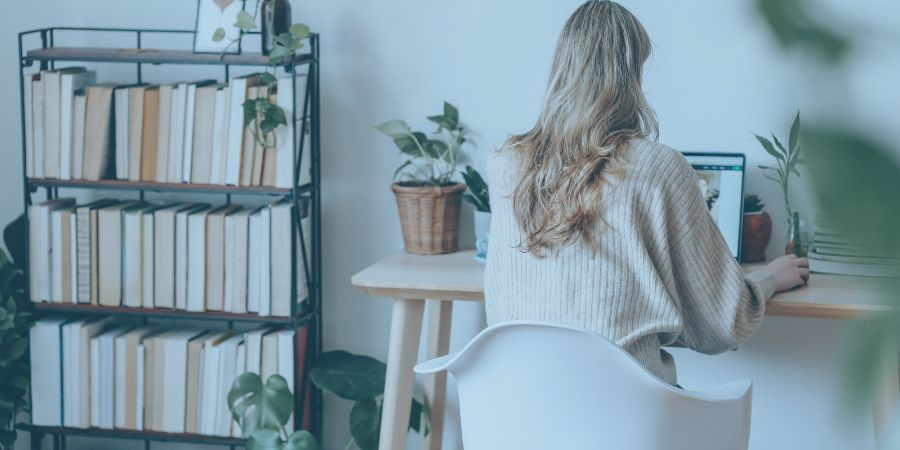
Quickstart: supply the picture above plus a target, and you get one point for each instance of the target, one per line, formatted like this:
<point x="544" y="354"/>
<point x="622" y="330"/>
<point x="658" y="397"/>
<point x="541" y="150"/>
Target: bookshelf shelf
<point x="163" y="187"/>
<point x="131" y="434"/>
<point x="149" y="56"/>
<point x="71" y="308"/>
<point x="42" y="49"/>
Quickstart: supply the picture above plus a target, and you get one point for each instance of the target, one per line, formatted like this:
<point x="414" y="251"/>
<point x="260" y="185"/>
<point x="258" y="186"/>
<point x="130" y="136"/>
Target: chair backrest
<point x="533" y="385"/>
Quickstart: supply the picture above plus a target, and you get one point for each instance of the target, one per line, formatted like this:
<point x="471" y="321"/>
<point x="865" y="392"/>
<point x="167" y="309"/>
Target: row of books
<point x="191" y="132"/>
<point x="833" y="251"/>
<point x="186" y="256"/>
<point x="97" y="373"/>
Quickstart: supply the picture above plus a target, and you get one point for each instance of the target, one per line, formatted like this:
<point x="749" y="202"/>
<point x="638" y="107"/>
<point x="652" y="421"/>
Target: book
<point x="136" y="96"/>
<point x="61" y="255"/>
<point x="254" y="261"/>
<point x="86" y="250"/>
<point x="109" y="225"/>
<point x="253" y="341"/>
<point x="821" y="264"/>
<point x="240" y="87"/>
<point x="76" y="370"/>
<point x="28" y="102"/>
<point x="240" y="368"/>
<point x="194" y="383"/>
<point x="226" y="376"/>
<point x="196" y="260"/>
<point x="286" y="363"/>
<point x="70" y="81"/>
<point x="236" y="238"/>
<point x="285" y="135"/>
<point x="133" y="254"/>
<point x="149" y="145"/>
<point x="45" y="405"/>
<point x="102" y="378"/>
<point x="215" y="257"/>
<point x="258" y="146"/>
<point x="280" y="266"/>
<point x="37" y="115"/>
<point x="248" y="155"/>
<point x="220" y="136"/>
<point x="55" y="100"/>
<point x="210" y="392"/>
<point x="265" y="263"/>
<point x="122" y="111"/>
<point x="164" y="127"/>
<point x="99" y="138"/>
<point x="126" y="376"/>
<point x="203" y="133"/>
<point x="40" y="247"/>
<point x="148" y="263"/>
<point x="79" y="117"/>
<point x="268" y="364"/>
<point x="164" y="241"/>
<point x="190" y="112"/>
<point x="182" y="240"/>
<point x="175" y="369"/>
<point x="176" y="132"/>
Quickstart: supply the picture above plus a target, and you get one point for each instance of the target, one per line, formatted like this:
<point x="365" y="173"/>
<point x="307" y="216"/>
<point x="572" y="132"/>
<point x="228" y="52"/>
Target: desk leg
<point x="438" y="344"/>
<point x="885" y="403"/>
<point x="406" y="328"/>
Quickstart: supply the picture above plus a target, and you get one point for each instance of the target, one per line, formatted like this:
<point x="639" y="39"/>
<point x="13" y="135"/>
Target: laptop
<point x="721" y="178"/>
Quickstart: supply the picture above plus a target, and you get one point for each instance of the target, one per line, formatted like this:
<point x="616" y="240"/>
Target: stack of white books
<point x="189" y="132"/>
<point x="185" y="256"/>
<point x="99" y="374"/>
<point x="837" y="253"/>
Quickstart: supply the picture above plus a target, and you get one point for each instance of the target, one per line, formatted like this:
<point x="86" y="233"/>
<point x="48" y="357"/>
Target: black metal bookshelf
<point x="41" y="48"/>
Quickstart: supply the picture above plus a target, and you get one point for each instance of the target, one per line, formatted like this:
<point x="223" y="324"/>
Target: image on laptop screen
<point x="721" y="178"/>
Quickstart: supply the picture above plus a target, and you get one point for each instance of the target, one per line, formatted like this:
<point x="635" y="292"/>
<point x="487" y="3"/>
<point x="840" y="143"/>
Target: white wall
<point x="715" y="79"/>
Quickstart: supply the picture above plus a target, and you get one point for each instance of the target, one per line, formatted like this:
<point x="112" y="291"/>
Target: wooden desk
<point x="414" y="280"/>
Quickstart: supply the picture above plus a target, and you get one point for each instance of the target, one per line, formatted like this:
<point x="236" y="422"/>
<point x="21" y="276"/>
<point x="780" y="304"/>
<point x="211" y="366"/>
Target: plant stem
<point x="350" y="444"/>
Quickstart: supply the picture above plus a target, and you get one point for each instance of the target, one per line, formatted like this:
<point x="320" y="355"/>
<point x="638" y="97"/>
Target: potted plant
<point x="757" y="230"/>
<point x="477" y="195"/>
<point x="788" y="158"/>
<point x="16" y="318"/>
<point x="428" y="199"/>
<point x="262" y="410"/>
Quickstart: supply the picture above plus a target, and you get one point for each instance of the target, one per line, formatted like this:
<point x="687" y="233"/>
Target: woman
<point x="597" y="226"/>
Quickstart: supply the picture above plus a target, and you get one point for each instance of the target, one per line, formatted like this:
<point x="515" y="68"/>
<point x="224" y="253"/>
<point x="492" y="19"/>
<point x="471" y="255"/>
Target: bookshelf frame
<point x="305" y="199"/>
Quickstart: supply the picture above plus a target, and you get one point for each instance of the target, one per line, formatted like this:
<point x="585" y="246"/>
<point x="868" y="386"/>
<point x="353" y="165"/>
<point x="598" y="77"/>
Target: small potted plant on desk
<point x="757" y="230"/>
<point x="477" y="195"/>
<point x="428" y="199"/>
<point x="788" y="159"/>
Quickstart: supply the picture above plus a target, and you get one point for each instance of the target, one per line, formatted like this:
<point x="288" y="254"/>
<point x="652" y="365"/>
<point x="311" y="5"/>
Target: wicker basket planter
<point x="429" y="216"/>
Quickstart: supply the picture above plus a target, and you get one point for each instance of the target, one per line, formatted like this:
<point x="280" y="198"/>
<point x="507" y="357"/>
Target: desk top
<point x="458" y="276"/>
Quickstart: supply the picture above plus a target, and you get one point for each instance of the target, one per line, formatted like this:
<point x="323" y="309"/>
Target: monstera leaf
<point x="260" y="407"/>
<point x="301" y="440"/>
<point x="349" y="376"/>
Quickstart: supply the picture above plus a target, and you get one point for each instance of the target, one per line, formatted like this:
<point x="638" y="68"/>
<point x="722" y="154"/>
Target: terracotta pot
<point x="429" y="217"/>
<point x="755" y="237"/>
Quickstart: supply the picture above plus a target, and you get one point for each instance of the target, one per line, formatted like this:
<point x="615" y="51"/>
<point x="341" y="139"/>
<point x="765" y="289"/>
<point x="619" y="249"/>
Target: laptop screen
<point x="721" y="177"/>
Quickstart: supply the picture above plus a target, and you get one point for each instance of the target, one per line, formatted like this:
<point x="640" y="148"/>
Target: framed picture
<point x="213" y="15"/>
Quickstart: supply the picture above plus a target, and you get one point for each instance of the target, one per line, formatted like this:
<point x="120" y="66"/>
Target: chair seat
<point x="535" y="385"/>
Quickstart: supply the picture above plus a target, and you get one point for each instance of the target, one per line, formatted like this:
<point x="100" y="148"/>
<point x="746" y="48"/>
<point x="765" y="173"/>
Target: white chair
<point x="540" y="386"/>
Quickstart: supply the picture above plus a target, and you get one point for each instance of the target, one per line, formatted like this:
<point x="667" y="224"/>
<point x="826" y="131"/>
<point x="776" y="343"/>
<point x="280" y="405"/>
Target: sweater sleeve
<point x="720" y="305"/>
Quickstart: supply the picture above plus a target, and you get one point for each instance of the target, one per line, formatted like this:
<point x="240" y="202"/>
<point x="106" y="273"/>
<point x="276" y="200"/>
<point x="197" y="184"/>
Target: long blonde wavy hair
<point x="594" y="106"/>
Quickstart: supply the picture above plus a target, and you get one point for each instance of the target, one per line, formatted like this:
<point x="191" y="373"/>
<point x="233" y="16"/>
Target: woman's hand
<point x="789" y="272"/>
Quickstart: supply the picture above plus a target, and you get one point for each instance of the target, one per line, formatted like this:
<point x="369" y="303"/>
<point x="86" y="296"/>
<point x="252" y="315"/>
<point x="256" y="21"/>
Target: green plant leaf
<point x="285" y="39"/>
<point x="784" y="151"/>
<point x="770" y="149"/>
<point x="264" y="440"/>
<point x="794" y="137"/>
<point x="14" y="238"/>
<point x="452" y="115"/>
<point x="249" y="112"/>
<point x="442" y="121"/>
<point x="349" y="376"/>
<point x="218" y="35"/>
<point x="394" y="128"/>
<point x="301" y="440"/>
<point x="15" y="350"/>
<point x="365" y="423"/>
<point x="260" y="407"/>
<point x="267" y="79"/>
<point x="299" y="31"/>
<point x="796" y="26"/>
<point x="245" y="21"/>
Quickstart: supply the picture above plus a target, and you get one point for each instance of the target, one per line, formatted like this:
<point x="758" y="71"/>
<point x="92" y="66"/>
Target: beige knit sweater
<point x="663" y="271"/>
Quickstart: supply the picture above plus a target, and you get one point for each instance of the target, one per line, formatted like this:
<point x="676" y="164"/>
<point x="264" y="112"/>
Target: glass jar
<point x="276" y="19"/>
<point x="797" y="237"/>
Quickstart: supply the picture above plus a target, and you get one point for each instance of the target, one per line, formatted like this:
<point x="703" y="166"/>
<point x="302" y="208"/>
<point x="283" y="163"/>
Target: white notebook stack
<point x="837" y="253"/>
